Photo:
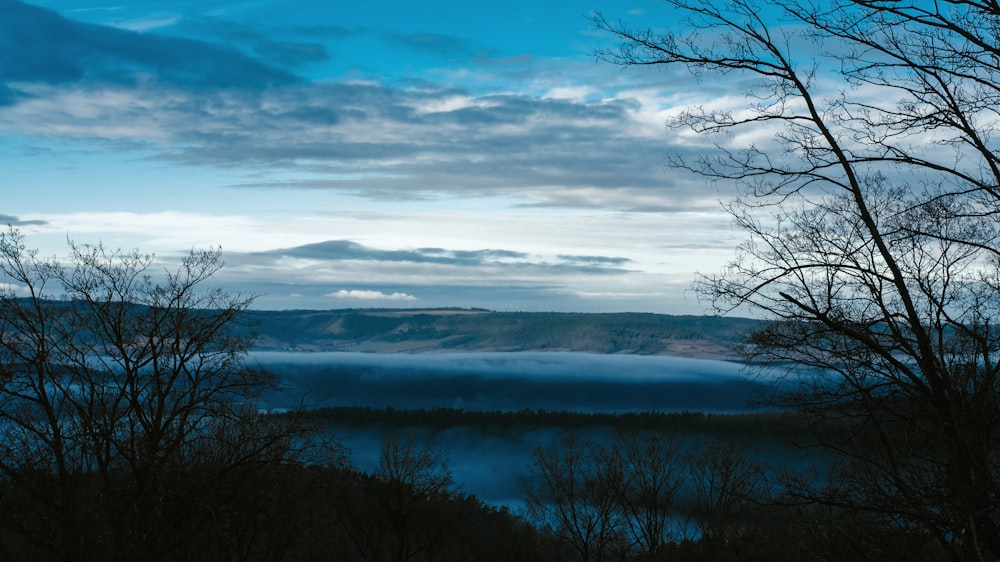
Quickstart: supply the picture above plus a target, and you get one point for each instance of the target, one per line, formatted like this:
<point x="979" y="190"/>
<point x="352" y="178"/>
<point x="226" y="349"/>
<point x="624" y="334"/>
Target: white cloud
<point x="12" y="289"/>
<point x="575" y="92"/>
<point x="370" y="295"/>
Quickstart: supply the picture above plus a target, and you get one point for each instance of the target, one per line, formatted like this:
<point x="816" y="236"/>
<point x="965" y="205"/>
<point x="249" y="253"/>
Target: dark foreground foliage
<point x="652" y="494"/>
<point x="257" y="487"/>
<point x="279" y="512"/>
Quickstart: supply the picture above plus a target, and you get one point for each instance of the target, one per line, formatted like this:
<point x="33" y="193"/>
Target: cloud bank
<point x="497" y="177"/>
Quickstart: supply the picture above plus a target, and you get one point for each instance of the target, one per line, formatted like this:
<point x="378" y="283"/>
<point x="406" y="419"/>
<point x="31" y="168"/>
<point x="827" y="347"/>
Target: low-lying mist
<point x="508" y="381"/>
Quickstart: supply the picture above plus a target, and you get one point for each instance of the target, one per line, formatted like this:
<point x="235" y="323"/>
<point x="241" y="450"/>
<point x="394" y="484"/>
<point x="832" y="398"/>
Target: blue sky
<point x="385" y="154"/>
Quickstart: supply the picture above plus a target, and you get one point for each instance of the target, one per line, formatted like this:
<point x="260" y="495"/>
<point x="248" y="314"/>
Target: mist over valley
<point x="487" y="389"/>
<point x="515" y="381"/>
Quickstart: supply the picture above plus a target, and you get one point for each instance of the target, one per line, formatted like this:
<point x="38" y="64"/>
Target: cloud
<point x="539" y="167"/>
<point x="154" y="21"/>
<point x="14" y="221"/>
<point x="8" y="95"/>
<point x="385" y="142"/>
<point x="596" y="260"/>
<point x="13" y="289"/>
<point x="369" y="295"/>
<point x="376" y="141"/>
<point x="39" y="45"/>
<point x="279" y="47"/>
<point x="194" y="102"/>
<point x="347" y="250"/>
<point x="492" y="278"/>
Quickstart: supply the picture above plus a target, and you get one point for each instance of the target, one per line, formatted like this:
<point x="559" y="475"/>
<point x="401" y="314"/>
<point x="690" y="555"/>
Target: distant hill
<point x="454" y="329"/>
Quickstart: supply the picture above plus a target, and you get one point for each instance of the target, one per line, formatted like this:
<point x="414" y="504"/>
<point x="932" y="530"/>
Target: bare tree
<point x="872" y="208"/>
<point x="416" y="477"/>
<point x="122" y="391"/>
<point x="654" y="471"/>
<point x="574" y="492"/>
<point x="726" y="485"/>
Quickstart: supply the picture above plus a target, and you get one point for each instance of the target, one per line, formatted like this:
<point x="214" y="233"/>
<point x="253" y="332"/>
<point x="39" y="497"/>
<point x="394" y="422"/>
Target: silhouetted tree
<point x="573" y="492"/>
<point x="871" y="199"/>
<point x="653" y="472"/>
<point x="727" y="485"/>
<point x="417" y="479"/>
<point x="124" y="400"/>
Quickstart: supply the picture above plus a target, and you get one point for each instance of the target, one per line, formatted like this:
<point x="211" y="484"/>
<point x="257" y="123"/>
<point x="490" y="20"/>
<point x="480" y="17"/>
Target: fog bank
<point x="508" y="381"/>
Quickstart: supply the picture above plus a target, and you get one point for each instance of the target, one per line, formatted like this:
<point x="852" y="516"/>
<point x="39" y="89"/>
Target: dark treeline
<point x="650" y="493"/>
<point x="275" y="511"/>
<point x="758" y="426"/>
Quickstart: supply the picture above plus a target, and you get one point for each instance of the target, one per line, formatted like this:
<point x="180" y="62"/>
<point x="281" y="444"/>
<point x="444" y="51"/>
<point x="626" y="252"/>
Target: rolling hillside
<point x="408" y="331"/>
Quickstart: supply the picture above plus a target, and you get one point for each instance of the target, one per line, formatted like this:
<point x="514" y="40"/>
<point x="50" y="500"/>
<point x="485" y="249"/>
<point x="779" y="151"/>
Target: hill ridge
<point x="401" y="330"/>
